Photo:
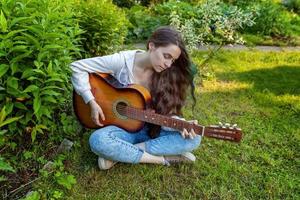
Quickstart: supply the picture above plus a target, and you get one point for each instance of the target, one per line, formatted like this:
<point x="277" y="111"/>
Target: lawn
<point x="260" y="91"/>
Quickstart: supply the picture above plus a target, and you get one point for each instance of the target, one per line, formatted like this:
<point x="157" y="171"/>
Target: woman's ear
<point x="151" y="46"/>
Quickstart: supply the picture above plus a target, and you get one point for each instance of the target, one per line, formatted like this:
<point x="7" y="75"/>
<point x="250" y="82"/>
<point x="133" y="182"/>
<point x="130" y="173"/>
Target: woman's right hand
<point x="96" y="111"/>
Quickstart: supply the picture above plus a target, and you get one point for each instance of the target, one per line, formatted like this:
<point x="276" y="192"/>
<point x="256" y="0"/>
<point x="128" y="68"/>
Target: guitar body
<point x="109" y="93"/>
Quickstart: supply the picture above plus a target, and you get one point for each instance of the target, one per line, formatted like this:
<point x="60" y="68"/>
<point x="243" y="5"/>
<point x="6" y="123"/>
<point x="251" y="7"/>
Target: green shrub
<point x="271" y="19"/>
<point x="295" y="24"/>
<point x="144" y="20"/>
<point x="183" y="9"/>
<point x="200" y="22"/>
<point x="143" y="23"/>
<point x="213" y="22"/>
<point x="39" y="38"/>
<point x="105" y="26"/>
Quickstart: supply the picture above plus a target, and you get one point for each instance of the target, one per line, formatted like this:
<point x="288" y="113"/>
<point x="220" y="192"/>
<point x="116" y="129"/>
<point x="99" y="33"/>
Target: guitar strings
<point x="121" y="108"/>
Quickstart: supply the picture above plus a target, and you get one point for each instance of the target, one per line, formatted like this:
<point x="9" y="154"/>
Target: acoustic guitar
<point x="126" y="107"/>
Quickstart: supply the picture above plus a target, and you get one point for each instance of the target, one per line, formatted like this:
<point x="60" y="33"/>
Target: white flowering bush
<point x="214" y="22"/>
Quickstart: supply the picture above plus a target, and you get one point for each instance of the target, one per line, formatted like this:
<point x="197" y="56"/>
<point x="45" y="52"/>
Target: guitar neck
<point x="162" y="120"/>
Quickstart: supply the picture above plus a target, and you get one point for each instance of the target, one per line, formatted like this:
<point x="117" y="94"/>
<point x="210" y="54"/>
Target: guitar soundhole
<point x="119" y="109"/>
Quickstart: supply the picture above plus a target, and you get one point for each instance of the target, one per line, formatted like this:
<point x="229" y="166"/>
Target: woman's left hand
<point x="191" y="134"/>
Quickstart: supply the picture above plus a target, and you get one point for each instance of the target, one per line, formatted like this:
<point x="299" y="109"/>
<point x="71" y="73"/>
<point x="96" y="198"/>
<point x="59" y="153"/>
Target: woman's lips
<point x="162" y="68"/>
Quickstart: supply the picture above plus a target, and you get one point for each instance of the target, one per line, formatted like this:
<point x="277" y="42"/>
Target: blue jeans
<point x="114" y="143"/>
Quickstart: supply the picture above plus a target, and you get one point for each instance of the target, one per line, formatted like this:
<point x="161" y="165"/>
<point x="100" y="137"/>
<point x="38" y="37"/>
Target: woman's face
<point x="162" y="57"/>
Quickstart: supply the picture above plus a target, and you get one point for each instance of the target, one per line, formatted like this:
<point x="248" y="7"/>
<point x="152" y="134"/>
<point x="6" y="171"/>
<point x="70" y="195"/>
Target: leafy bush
<point x="204" y="22"/>
<point x="105" y="26"/>
<point x="295" y="24"/>
<point x="36" y="50"/>
<point x="38" y="40"/>
<point x="183" y="9"/>
<point x="271" y="19"/>
<point x="214" y="21"/>
<point x="144" y="20"/>
<point x="143" y="23"/>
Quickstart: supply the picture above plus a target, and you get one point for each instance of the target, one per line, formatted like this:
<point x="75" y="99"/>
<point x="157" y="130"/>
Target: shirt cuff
<point x="87" y="96"/>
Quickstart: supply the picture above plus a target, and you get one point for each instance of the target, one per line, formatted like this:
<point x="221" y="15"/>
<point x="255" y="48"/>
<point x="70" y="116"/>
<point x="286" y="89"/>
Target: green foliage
<point x="143" y="23"/>
<point x="35" y="54"/>
<point x="295" y="24"/>
<point x="105" y="26"/>
<point x="65" y="180"/>
<point x="243" y="3"/>
<point x="4" y="121"/>
<point x="271" y="19"/>
<point x="131" y="3"/>
<point x="212" y="21"/>
<point x="33" y="196"/>
<point x="293" y="5"/>
<point x="38" y="42"/>
<point x="55" y="181"/>
<point x="4" y="166"/>
<point x="183" y="9"/>
<point x="124" y="3"/>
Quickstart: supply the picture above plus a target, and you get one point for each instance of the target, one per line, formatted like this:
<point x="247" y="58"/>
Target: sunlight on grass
<point x="215" y="86"/>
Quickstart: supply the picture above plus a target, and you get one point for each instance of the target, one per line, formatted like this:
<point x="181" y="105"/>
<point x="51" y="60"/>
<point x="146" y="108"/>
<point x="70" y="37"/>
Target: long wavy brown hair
<point x="169" y="87"/>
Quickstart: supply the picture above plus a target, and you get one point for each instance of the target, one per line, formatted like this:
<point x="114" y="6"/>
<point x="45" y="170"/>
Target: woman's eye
<point x="169" y="57"/>
<point x="166" y="56"/>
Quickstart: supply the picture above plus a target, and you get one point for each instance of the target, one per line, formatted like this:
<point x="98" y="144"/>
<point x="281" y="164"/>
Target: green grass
<point x="260" y="91"/>
<point x="256" y="40"/>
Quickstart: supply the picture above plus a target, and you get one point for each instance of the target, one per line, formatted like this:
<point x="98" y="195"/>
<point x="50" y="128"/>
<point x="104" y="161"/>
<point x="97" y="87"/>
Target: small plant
<point x="61" y="181"/>
<point x="5" y="166"/>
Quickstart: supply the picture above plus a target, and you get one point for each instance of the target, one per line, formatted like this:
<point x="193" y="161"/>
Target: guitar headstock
<point x="225" y="131"/>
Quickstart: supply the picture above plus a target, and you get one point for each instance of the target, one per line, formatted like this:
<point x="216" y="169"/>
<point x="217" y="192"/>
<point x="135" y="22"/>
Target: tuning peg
<point x="221" y="124"/>
<point x="234" y="126"/>
<point x="227" y="125"/>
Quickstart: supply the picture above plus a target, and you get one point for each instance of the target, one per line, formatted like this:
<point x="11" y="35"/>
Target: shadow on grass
<point x="279" y="80"/>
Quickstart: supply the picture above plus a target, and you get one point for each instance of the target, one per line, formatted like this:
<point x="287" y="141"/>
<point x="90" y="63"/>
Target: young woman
<point x="164" y="69"/>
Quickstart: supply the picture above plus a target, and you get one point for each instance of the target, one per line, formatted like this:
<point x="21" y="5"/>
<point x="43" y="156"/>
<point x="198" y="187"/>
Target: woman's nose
<point x="168" y="63"/>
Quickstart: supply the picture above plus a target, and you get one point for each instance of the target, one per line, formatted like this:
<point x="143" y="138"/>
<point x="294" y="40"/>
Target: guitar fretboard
<point x="162" y="120"/>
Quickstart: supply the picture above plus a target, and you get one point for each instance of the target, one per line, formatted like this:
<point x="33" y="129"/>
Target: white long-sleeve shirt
<point x="119" y="65"/>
